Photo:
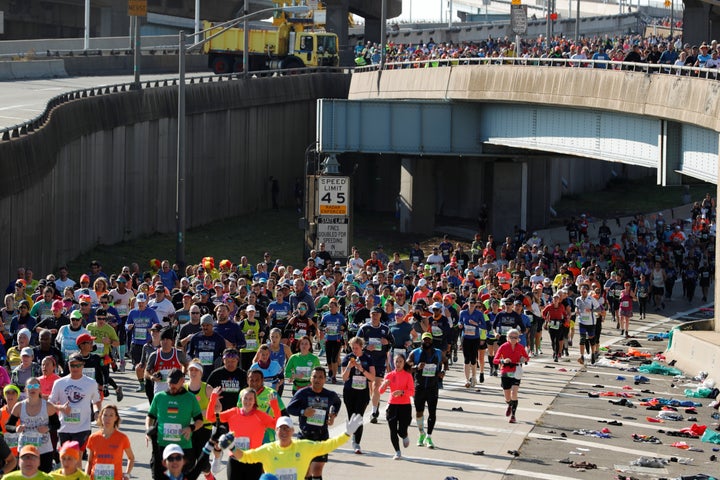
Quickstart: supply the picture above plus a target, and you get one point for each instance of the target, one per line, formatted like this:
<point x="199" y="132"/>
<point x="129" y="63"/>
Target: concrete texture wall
<point x="103" y="169"/>
<point x="683" y="99"/>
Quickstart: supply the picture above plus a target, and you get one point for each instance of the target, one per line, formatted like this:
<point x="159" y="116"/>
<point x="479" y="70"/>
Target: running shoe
<point x="512" y="419"/>
<point x="119" y="393"/>
<point x="429" y="443"/>
<point x="508" y="411"/>
<point x="140" y="388"/>
<point x="467" y="383"/>
<point x="397" y="455"/>
<point x="581" y="360"/>
<point x="356" y="447"/>
<point x="472" y="382"/>
<point x="482" y="377"/>
<point x="374" y="418"/>
<point x="421" y="440"/>
<point x="406" y="442"/>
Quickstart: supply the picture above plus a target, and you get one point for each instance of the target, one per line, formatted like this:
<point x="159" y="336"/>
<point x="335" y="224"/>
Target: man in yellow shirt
<point x="289" y="458"/>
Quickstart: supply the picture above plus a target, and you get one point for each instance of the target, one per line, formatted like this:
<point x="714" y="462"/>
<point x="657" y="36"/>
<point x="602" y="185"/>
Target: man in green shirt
<point x="173" y="416"/>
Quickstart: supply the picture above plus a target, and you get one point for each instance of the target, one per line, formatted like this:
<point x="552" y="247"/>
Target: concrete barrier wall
<point x="22" y="70"/>
<point x="682" y="99"/>
<point x="103" y="169"/>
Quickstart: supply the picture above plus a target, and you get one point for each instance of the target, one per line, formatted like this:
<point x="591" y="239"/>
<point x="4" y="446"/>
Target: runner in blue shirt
<point x="333" y="325"/>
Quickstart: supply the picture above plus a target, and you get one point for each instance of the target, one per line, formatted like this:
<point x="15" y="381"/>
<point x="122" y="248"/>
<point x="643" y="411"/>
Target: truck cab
<point x="314" y="49"/>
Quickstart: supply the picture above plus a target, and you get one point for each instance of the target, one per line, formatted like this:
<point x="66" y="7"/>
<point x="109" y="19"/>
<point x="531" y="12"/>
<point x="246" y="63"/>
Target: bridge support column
<point x="670" y="152"/>
<point x="509" y="196"/>
<point x="417" y="195"/>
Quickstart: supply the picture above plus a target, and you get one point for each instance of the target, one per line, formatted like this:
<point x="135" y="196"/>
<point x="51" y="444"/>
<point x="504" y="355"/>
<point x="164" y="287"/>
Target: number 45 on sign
<point x="333" y="194"/>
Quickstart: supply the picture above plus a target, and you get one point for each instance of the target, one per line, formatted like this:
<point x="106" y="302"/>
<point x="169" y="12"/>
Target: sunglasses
<point x="174" y="458"/>
<point x="75" y="319"/>
<point x="33" y="386"/>
<point x="77" y="365"/>
<point x="514" y="336"/>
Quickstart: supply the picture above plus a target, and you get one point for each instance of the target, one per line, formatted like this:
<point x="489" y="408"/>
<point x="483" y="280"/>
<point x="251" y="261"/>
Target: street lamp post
<point x="180" y="158"/>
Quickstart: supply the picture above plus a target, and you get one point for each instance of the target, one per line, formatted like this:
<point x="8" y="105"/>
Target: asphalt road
<point x="553" y="401"/>
<point x="26" y="99"/>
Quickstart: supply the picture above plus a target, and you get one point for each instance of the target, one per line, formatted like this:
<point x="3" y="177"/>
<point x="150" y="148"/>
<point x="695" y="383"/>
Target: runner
<point x="426" y="362"/>
<point x="510" y="357"/>
<point x="300" y="365"/>
<point x="626" y="309"/>
<point x="474" y="330"/>
<point x="556" y="323"/>
<point x="358" y="372"/>
<point x="333" y="326"/>
<point x="587" y="308"/>
<point x="378" y="341"/>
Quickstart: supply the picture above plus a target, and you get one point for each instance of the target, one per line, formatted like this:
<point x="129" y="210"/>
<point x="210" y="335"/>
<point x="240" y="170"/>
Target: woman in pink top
<point x="248" y="424"/>
<point x="511" y="356"/>
<point x="399" y="411"/>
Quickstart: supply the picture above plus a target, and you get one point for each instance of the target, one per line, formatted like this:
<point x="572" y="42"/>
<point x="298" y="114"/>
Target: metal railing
<point x="611" y="65"/>
<point x="29" y="126"/>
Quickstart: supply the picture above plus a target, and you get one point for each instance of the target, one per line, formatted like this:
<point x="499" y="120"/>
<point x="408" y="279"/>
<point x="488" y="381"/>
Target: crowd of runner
<point x="630" y="48"/>
<point x="215" y="346"/>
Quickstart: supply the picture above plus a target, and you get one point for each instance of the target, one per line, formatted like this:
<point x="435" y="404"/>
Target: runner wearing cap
<point x="378" y="341"/>
<point x="138" y="324"/>
<point x="441" y="330"/>
<point x="557" y="322"/>
<point x="202" y="391"/>
<point x="67" y="334"/>
<point x="290" y="458"/>
<point x="163" y="308"/>
<point x="253" y="333"/>
<point x="173" y="416"/>
<point x="29" y="466"/>
<point x="163" y="360"/>
<point x="28" y="368"/>
<point x="11" y="394"/>
<point x="426" y="363"/>
<point x="106" y="338"/>
<point x="510" y="357"/>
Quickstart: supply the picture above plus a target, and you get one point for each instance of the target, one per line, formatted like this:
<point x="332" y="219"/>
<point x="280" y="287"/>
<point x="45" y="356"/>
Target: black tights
<point x="398" y="418"/>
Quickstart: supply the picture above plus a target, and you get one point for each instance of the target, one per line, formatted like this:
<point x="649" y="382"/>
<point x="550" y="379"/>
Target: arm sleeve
<point x="296" y="404"/>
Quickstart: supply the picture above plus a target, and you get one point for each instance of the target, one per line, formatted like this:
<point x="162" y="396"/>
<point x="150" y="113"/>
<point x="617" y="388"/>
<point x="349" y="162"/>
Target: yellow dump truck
<point x="284" y="46"/>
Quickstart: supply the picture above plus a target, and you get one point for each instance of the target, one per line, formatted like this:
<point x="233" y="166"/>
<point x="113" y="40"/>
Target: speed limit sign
<point x="333" y="195"/>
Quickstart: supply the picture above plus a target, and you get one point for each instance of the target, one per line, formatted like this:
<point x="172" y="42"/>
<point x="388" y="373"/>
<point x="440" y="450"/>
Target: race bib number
<point x="104" y="471"/>
<point x="375" y="343"/>
<point x="99" y="347"/>
<point x="206" y="358"/>
<point x="31" y="438"/>
<point x="504" y="329"/>
<point x="318" y="418"/>
<point x="89" y="372"/>
<point x="73" y="416"/>
<point x="429" y="370"/>
<point x="242" y="443"/>
<point x="300" y="333"/>
<point x="518" y="372"/>
<point x="141" y="334"/>
<point x="122" y="310"/>
<point x="470" y="330"/>
<point x="172" y="432"/>
<point x="624" y="304"/>
<point x="399" y="351"/>
<point x="436" y="331"/>
<point x="303" y="373"/>
<point x="286" y="474"/>
<point x="164" y="373"/>
<point x="359" y="382"/>
<point x="554" y="324"/>
<point x="11" y="439"/>
<point x="331" y="330"/>
<point x="251" y="344"/>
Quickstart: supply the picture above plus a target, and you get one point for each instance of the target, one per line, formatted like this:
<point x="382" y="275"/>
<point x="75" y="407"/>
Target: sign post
<point x="137" y="8"/>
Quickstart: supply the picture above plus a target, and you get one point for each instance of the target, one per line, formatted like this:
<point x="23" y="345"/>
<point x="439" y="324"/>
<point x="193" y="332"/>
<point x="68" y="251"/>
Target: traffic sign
<point x="137" y="8"/>
<point x="518" y="19"/>
<point x="333" y="195"/>
<point x="333" y="231"/>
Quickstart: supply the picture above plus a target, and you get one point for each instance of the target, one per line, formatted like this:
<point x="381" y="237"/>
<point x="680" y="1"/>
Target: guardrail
<point x="28" y="127"/>
<point x="648" y="68"/>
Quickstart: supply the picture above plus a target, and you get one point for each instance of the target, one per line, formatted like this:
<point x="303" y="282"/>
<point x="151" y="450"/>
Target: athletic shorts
<point x="136" y="353"/>
<point x="332" y="349"/>
<point x="587" y="330"/>
<point x="470" y="347"/>
<point x="658" y="290"/>
<point x="508" y="382"/>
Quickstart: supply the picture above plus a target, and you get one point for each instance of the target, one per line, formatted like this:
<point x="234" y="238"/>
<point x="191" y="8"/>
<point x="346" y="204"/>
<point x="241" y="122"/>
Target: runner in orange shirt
<point x="107" y="447"/>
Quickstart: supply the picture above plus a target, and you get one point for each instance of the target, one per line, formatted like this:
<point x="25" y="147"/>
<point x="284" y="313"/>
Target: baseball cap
<point x="156" y="327"/>
<point x="24" y="331"/>
<point x="141" y="297"/>
<point x="195" y="364"/>
<point x="426" y="335"/>
<point x="76" y="357"/>
<point x="167" y="334"/>
<point x="436" y="306"/>
<point x="85" y="337"/>
<point x="422" y="282"/>
<point x="85" y="299"/>
<point x="84" y="278"/>
<point x="250" y="308"/>
<point x="171" y="450"/>
<point x="27" y="351"/>
<point x="377" y="309"/>
<point x="284" y="421"/>
<point x="297" y="272"/>
<point x="58" y="305"/>
<point x="29" y="450"/>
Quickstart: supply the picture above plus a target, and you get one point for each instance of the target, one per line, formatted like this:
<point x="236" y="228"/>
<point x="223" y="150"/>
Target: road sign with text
<point x="518" y="19"/>
<point x="334" y="232"/>
<point x="137" y="8"/>
<point x="333" y="195"/>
